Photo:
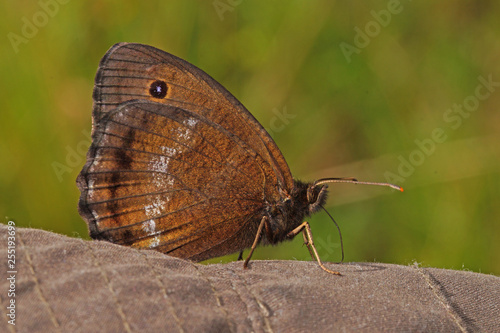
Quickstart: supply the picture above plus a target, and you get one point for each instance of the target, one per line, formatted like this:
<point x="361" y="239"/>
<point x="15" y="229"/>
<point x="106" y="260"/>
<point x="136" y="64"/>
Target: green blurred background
<point x="356" y="114"/>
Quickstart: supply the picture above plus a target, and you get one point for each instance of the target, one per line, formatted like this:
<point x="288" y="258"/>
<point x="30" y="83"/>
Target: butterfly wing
<point x="165" y="178"/>
<point x="127" y="72"/>
<point x="187" y="174"/>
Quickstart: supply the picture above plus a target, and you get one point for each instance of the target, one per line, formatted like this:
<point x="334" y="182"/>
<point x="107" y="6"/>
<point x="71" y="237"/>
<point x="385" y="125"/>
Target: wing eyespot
<point x="158" y="89"/>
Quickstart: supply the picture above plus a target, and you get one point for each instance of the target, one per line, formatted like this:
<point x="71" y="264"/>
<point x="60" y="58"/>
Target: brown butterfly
<point x="177" y="164"/>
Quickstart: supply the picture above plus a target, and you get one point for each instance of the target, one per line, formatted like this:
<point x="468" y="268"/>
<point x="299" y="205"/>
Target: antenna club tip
<point x="401" y="189"/>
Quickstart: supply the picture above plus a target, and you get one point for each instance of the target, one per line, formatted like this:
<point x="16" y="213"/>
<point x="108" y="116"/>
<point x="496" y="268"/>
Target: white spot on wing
<point x="169" y="151"/>
<point x="184" y="133"/>
<point x="155" y="208"/>
<point x="159" y="164"/>
<point x="149" y="227"/>
<point x="190" y="122"/>
<point x="155" y="241"/>
<point x="90" y="189"/>
<point x="170" y="182"/>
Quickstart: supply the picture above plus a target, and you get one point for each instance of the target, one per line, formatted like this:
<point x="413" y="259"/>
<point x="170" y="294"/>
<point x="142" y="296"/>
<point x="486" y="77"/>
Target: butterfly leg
<point x="240" y="256"/>
<point x="308" y="241"/>
<point x="263" y="222"/>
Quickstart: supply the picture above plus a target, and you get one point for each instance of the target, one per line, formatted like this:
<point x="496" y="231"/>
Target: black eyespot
<point x="158" y="89"/>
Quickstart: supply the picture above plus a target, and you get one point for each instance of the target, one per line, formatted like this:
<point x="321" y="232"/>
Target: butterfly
<point x="177" y="164"/>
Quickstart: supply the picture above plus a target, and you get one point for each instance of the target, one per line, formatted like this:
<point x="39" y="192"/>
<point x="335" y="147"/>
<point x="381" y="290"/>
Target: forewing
<point x="127" y="72"/>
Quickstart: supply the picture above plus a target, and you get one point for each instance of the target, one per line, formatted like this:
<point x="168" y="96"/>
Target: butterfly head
<point x="316" y="196"/>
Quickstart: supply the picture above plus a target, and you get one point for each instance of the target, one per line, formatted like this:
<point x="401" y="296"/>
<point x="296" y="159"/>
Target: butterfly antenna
<point x="340" y="235"/>
<point x="354" y="181"/>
